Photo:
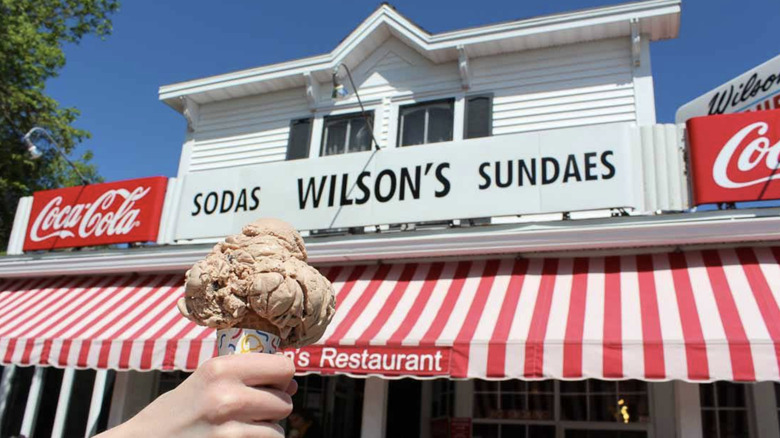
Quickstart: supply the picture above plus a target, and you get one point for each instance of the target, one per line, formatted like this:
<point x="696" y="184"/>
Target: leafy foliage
<point x="32" y="35"/>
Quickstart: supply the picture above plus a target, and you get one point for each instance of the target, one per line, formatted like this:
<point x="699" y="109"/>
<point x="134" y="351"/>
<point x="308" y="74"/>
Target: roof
<point x="657" y="20"/>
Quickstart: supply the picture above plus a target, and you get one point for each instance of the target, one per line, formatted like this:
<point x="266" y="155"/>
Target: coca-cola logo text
<point x="89" y="219"/>
<point x="96" y="214"/>
<point x="751" y="148"/>
<point x="735" y="157"/>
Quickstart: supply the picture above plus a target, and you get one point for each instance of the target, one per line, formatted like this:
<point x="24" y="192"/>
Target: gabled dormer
<point x="562" y="70"/>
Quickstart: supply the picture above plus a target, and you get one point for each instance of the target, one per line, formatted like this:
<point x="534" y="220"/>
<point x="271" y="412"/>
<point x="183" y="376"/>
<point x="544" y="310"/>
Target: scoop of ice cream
<point x="260" y="279"/>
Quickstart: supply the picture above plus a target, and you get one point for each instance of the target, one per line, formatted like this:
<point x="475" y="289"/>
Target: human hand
<point x="241" y="395"/>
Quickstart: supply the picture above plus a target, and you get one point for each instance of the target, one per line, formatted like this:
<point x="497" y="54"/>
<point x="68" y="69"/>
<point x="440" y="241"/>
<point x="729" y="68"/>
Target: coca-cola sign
<point x="735" y="157"/>
<point x="97" y="214"/>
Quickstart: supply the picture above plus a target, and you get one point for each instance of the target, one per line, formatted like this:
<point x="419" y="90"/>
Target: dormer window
<point x="347" y="133"/>
<point x="429" y="122"/>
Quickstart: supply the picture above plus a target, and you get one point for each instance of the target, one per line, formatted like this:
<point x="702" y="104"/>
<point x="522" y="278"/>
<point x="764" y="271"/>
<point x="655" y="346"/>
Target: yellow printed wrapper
<point x="241" y="340"/>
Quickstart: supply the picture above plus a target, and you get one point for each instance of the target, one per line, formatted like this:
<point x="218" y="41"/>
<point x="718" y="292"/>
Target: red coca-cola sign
<point x="97" y="214"/>
<point x="735" y="157"/>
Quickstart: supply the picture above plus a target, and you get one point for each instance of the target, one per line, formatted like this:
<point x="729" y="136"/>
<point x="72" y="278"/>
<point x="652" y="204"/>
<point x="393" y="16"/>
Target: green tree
<point x="32" y="36"/>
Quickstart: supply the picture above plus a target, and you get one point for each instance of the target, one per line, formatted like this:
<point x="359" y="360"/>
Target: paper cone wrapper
<point x="244" y="340"/>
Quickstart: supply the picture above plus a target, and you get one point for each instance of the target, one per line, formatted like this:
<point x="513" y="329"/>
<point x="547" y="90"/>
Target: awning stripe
<point x="699" y="315"/>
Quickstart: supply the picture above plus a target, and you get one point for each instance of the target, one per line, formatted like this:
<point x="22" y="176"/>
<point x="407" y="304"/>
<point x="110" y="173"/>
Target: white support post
<point x="374" y="408"/>
<point x="765" y="410"/>
<point x="316" y="136"/>
<point x="19" y="229"/>
<point x="63" y="402"/>
<point x="133" y="390"/>
<point x="33" y="402"/>
<point x="644" y="93"/>
<point x="464" y="398"/>
<point x="688" y="409"/>
<point x="459" y="117"/>
<point x="98" y="390"/>
<point x="5" y="389"/>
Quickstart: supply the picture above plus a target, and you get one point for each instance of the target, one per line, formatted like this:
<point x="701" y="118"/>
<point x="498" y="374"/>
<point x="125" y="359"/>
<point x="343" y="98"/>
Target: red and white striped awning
<point x="698" y="315"/>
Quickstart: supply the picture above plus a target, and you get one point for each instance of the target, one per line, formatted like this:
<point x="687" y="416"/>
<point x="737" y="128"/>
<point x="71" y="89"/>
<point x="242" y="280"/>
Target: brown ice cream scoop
<point x="259" y="279"/>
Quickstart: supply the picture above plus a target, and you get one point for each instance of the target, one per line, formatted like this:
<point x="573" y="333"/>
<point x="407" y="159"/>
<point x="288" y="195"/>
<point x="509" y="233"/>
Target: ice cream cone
<point x="237" y="340"/>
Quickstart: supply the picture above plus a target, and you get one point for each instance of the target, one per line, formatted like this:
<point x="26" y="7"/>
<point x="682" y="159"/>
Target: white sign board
<point x="756" y="89"/>
<point x="542" y="172"/>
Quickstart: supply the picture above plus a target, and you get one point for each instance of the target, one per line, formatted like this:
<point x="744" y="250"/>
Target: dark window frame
<point x="490" y="97"/>
<point x="399" y="133"/>
<point x="289" y="137"/>
<point x="348" y="116"/>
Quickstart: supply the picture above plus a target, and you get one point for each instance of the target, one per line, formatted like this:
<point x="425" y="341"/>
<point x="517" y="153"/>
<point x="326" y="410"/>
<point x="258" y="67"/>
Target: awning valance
<point x="696" y="315"/>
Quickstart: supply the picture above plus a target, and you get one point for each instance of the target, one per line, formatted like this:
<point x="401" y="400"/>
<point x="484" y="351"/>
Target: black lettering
<point x="241" y="202"/>
<point x="316" y="194"/>
<point x="211" y="196"/>
<point x="608" y="165"/>
<point x="222" y="208"/>
<point x="572" y="170"/>
<point x="445" y="183"/>
<point x="196" y="201"/>
<point x="414" y="185"/>
<point x="718" y="106"/>
<point x="508" y="181"/>
<point x="255" y="199"/>
<point x="344" y="185"/>
<point x="524" y="171"/>
<point x="748" y="90"/>
<point x="590" y="166"/>
<point x="363" y="188"/>
<point x="378" y="186"/>
<point x="547" y="177"/>
<point x="484" y="176"/>
<point x="768" y="82"/>
<point x="331" y="198"/>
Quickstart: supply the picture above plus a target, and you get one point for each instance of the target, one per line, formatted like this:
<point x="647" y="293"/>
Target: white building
<point x="531" y="266"/>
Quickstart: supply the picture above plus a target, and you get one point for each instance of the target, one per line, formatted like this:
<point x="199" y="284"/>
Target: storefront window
<point x="599" y="400"/>
<point x="443" y="398"/>
<point x="581" y="409"/>
<point x="724" y="410"/>
<point x="334" y="403"/>
<point x="16" y="401"/>
<point x="429" y="122"/>
<point x="169" y="380"/>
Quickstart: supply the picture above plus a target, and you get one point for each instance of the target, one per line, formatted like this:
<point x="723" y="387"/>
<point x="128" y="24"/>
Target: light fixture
<point x="34" y="152"/>
<point x="341" y="91"/>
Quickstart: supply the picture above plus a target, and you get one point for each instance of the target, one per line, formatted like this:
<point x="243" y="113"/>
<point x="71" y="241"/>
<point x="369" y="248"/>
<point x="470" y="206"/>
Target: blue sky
<point x="114" y="82"/>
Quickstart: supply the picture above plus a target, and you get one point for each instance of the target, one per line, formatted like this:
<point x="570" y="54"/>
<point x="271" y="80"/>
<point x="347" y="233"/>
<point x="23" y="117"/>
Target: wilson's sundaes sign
<point x="551" y="171"/>
<point x="755" y="90"/>
<point x="735" y="157"/>
<point x="98" y="214"/>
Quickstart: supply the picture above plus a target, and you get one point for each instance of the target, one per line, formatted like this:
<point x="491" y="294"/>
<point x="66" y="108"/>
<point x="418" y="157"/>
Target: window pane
<point x="540" y="431"/>
<point x="486" y="406"/>
<point x="541" y="406"/>
<point x="513" y="407"/>
<point x="359" y="136"/>
<point x="52" y="382"/>
<point x="478" y="111"/>
<point x="514" y="430"/>
<point x="730" y="394"/>
<point x="17" y="399"/>
<point x="637" y="409"/>
<point x="335" y="137"/>
<point x="733" y="424"/>
<point x="484" y="431"/>
<point x="300" y="138"/>
<point x="707" y="395"/>
<point x="574" y="407"/>
<point x="440" y="123"/>
<point x="486" y="386"/>
<point x="78" y="410"/>
<point x="604" y="408"/>
<point x="412" y="126"/>
<point x="578" y="387"/>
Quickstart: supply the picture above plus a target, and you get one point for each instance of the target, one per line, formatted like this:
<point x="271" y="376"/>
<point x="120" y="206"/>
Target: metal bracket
<point x="190" y="113"/>
<point x="463" y="67"/>
<point x="636" y="42"/>
<point x="312" y="91"/>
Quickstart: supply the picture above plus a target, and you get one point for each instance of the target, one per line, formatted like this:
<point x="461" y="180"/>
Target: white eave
<point x="637" y="234"/>
<point x="658" y="19"/>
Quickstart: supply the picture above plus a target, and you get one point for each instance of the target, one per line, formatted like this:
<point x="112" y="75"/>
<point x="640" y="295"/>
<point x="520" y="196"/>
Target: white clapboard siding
<point x="245" y="131"/>
<point x="573" y="85"/>
<point x="564" y="86"/>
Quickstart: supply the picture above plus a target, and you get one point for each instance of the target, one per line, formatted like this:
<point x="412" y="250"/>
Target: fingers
<point x="271" y="370"/>
<point x="249" y="405"/>
<point x="292" y="388"/>
<point x="249" y="430"/>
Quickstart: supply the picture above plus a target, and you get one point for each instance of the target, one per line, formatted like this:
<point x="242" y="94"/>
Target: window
<point x="345" y="134"/>
<point x="443" y="398"/>
<point x="429" y="122"/>
<point x="724" y="410"/>
<point x="479" y="117"/>
<point x="578" y="409"/>
<point x="299" y="140"/>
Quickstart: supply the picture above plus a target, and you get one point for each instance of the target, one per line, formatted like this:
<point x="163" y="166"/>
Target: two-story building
<point x="508" y="230"/>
